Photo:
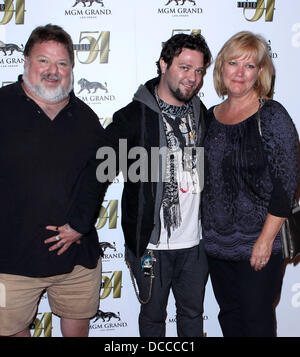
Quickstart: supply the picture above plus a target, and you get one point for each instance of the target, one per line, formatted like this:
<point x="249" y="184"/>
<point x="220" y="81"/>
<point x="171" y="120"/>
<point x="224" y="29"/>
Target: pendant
<point x="185" y="191"/>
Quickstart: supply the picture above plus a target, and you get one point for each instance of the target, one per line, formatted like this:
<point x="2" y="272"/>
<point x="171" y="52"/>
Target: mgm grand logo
<point x="107" y="320"/>
<point x="273" y="54"/>
<point x="180" y="8"/>
<point x="8" y="52"/>
<point x="93" y="92"/>
<point x="110" y="251"/>
<point x="88" y="9"/>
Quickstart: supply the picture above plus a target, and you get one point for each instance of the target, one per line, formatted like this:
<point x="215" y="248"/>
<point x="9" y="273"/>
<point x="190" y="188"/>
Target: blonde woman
<point x="251" y="160"/>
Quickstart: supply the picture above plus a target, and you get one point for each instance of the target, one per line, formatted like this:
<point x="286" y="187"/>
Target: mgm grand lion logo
<point x="182" y="2"/>
<point x="90" y="1"/>
<point x="106" y="315"/>
<point x="5" y="47"/>
<point x="105" y="245"/>
<point x="85" y="84"/>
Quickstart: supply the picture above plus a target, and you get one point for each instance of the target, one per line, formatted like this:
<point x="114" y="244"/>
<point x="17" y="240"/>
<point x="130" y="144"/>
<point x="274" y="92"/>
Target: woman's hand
<point x="262" y="248"/>
<point x="261" y="253"/>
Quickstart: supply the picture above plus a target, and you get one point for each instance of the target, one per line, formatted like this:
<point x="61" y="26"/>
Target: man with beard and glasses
<point x="48" y="144"/>
<point x="160" y="217"/>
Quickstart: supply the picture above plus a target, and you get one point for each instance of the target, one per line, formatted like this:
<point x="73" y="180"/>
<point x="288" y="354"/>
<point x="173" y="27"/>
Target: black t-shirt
<point x="47" y="177"/>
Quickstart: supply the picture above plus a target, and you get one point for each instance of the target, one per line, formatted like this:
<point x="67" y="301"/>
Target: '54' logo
<point x="9" y="10"/>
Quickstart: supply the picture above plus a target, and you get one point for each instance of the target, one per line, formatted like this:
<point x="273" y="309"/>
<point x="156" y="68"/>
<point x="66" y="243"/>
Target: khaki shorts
<point x="73" y="296"/>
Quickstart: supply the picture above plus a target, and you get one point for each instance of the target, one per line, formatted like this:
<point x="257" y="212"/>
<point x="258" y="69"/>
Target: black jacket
<point x="140" y="123"/>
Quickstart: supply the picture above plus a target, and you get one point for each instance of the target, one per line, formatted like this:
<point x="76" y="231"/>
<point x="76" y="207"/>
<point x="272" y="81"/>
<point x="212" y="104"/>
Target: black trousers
<point x="184" y="271"/>
<point x="246" y="297"/>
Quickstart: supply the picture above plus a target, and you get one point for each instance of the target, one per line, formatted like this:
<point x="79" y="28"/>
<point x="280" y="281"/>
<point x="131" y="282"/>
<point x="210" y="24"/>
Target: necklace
<point x="183" y="135"/>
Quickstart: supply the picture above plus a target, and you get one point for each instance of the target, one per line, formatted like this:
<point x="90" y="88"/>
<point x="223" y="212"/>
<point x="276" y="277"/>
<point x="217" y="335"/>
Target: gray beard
<point x="51" y="96"/>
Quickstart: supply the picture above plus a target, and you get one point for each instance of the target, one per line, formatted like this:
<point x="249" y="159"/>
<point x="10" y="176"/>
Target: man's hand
<point x="65" y="236"/>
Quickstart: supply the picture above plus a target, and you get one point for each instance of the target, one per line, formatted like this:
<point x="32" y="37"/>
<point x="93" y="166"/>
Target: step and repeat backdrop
<point x="116" y="45"/>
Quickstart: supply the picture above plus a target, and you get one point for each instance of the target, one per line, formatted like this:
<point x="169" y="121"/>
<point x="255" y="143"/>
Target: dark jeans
<point x="246" y="297"/>
<point x="185" y="272"/>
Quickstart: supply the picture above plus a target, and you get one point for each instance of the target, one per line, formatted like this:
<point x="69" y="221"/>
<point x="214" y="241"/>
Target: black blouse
<point x="247" y="176"/>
